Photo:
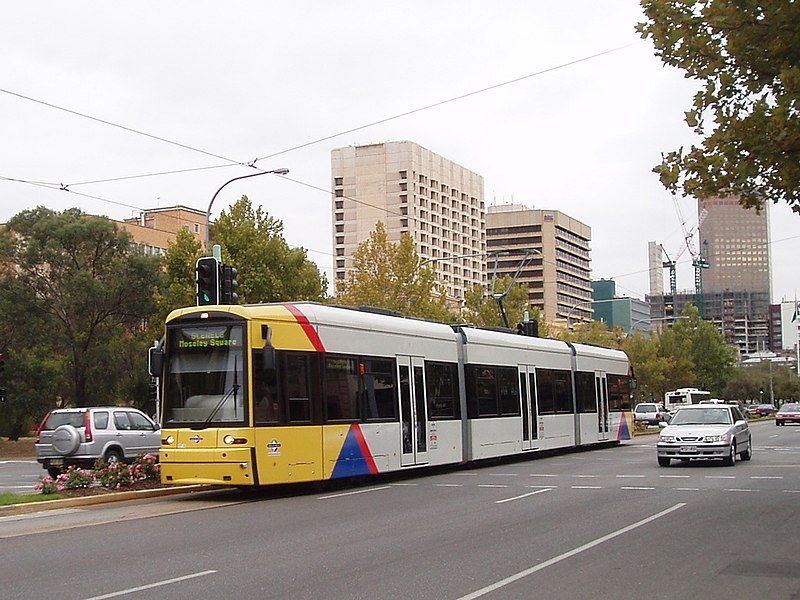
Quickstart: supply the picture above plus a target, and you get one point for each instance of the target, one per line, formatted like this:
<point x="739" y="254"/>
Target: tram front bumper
<point x="190" y="467"/>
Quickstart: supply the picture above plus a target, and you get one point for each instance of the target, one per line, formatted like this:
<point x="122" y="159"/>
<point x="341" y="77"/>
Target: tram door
<point x="413" y="410"/>
<point x="601" y="393"/>
<point x="527" y="392"/>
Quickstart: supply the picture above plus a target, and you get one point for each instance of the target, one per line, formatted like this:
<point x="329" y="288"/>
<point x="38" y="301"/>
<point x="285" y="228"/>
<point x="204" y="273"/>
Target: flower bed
<point x="143" y="473"/>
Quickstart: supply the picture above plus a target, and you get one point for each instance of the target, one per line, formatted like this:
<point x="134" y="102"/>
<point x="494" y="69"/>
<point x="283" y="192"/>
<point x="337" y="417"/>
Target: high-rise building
<point x="615" y="311"/>
<point x="411" y="190"/>
<point x="735" y="241"/>
<point x="558" y="266"/>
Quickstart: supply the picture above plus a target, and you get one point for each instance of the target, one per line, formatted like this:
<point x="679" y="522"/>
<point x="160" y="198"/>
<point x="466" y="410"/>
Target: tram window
<point x="297" y="388"/>
<point x="619" y="392"/>
<point x="380" y="391"/>
<point x="442" y="381"/>
<point x="544" y="391"/>
<point x="266" y="405"/>
<point x="563" y="391"/>
<point x="508" y="386"/>
<point x="484" y="390"/>
<point x="584" y="390"/>
<point x="341" y="389"/>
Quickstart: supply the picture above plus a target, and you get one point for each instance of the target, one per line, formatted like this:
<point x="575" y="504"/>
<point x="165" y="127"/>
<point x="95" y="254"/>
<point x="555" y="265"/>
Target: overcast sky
<point x="249" y="79"/>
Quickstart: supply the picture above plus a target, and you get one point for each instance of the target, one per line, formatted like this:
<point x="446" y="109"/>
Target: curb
<point x="33" y="507"/>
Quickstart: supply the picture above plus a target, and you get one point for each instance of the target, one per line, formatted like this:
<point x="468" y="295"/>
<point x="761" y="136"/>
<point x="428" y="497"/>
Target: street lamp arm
<point x="281" y="171"/>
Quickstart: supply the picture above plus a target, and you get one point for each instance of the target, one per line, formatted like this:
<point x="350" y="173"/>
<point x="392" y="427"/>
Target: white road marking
<point x="630" y="476"/>
<point x="151" y="585"/>
<point x="766" y="477"/>
<point x="585" y="476"/>
<point x="774" y="436"/>
<point x="686" y="489"/>
<point x="674" y="476"/>
<point x="605" y="459"/>
<point x="631" y="487"/>
<point x="792" y="491"/>
<point x="375" y="489"/>
<point x="740" y="490"/>
<point x="449" y="485"/>
<point x="491" y="485"/>
<point x="556" y="559"/>
<point x="542" y="475"/>
<point x="720" y="476"/>
<point x="550" y="487"/>
<point x="587" y="487"/>
<point x="404" y="484"/>
<point x="503" y="474"/>
<point x="523" y="496"/>
<point x="11" y="462"/>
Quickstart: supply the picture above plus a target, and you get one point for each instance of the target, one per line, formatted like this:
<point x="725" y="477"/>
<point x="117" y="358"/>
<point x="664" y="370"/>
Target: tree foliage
<point x="78" y="284"/>
<point x="747" y="57"/>
<point x="388" y="275"/>
<point x="482" y="310"/>
<point x="269" y="270"/>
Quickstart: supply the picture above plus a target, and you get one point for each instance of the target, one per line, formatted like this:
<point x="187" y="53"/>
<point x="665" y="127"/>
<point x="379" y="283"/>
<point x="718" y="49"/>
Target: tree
<point x="747" y="57"/>
<point x="81" y="284"/>
<point x="482" y="310"/>
<point x="595" y="333"/>
<point x="268" y="269"/>
<point x="712" y="358"/>
<point x="179" y="288"/>
<point x="388" y="275"/>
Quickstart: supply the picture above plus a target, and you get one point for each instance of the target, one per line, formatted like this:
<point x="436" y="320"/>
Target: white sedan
<point x="706" y="431"/>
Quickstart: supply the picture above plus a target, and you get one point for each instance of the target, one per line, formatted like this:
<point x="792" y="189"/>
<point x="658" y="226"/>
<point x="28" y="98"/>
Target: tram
<point x="293" y="392"/>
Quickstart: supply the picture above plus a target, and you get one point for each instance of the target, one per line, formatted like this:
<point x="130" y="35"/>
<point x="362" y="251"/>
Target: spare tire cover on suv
<point x="66" y="439"/>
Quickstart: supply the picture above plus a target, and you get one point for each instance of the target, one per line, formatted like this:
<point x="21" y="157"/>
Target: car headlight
<point x="717" y="438"/>
<point x="669" y="439"/>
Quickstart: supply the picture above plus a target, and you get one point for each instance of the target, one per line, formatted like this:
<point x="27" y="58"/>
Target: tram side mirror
<point x="268" y="355"/>
<point x="155" y="362"/>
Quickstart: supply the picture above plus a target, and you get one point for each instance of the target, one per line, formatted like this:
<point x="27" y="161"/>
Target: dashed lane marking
<point x="503" y="474"/>
<point x="449" y="485"/>
<point x="629" y="476"/>
<point x="587" y="487"/>
<point x="523" y="496"/>
<point x="375" y="489"/>
<point x="792" y="491"/>
<point x="720" y="476"/>
<point x="403" y="484"/>
<point x="542" y="475"/>
<point x="632" y="487"/>
<point x="674" y="476"/>
<point x="740" y="490"/>
<point x="585" y="476"/>
<point x="685" y="489"/>
<point x="766" y="477"/>
<point x="491" y="485"/>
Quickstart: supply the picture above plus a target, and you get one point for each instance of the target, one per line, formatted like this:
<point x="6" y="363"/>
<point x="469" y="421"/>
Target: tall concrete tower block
<point x="655" y="261"/>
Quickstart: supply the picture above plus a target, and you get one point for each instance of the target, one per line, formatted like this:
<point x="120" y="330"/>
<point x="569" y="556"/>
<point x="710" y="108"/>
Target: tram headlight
<point x="229" y="439"/>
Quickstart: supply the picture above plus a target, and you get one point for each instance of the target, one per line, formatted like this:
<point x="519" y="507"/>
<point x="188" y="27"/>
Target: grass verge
<point x="7" y="498"/>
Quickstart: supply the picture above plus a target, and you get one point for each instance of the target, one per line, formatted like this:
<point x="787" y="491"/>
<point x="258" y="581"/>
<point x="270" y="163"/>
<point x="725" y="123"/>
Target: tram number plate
<point x="688" y="449"/>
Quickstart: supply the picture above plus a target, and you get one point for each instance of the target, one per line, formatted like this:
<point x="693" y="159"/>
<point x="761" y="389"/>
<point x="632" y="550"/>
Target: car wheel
<point x="747" y="454"/>
<point x="663" y="461"/>
<point x="112" y="457"/>
<point x="54" y="472"/>
<point x="730" y="460"/>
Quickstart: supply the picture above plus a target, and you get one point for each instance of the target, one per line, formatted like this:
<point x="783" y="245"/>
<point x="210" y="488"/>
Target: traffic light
<point x="229" y="285"/>
<point x="207" y="277"/>
<point x="669" y="306"/>
<point x="153" y="389"/>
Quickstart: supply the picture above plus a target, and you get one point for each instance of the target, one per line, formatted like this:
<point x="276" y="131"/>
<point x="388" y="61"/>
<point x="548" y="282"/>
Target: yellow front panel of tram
<point x="289" y="454"/>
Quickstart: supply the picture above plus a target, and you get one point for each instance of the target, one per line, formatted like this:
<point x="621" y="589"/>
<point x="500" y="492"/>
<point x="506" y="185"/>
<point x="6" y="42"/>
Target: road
<point x="18" y="476"/>
<point x="598" y="524"/>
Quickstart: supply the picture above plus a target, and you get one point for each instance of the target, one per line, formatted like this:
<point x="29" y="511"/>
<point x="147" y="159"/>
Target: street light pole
<point x="282" y="171"/>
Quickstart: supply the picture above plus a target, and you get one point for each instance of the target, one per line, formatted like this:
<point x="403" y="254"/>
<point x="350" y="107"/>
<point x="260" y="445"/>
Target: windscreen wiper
<point x="234" y="390"/>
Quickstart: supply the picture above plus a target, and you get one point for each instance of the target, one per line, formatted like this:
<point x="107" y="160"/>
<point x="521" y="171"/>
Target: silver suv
<point x="80" y="436"/>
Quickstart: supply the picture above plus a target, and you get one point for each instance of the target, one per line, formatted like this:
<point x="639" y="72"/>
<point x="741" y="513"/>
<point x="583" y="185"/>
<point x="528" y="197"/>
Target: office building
<point x="411" y="190"/>
<point x="556" y="251"/>
<point x="614" y="311"/>
<point x="156" y="228"/>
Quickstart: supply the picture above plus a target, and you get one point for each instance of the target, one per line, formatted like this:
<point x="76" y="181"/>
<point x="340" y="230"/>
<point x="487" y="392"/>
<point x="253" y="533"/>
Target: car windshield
<point x="205" y="375"/>
<point x="646" y="408"/>
<point x="702" y="416"/>
<point x="790" y="408"/>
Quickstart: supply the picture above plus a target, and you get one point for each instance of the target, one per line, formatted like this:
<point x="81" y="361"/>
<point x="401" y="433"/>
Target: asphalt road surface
<point x="18" y="476"/>
<point x="597" y="524"/>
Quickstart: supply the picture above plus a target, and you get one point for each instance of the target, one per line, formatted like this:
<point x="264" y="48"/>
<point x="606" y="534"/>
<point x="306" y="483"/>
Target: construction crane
<point x="699" y="258"/>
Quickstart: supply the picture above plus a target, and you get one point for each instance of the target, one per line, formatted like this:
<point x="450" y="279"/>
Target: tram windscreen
<point x="205" y="376"/>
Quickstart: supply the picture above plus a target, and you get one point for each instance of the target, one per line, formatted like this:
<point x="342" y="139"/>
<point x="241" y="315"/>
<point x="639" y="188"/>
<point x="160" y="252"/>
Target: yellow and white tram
<point x="280" y="393"/>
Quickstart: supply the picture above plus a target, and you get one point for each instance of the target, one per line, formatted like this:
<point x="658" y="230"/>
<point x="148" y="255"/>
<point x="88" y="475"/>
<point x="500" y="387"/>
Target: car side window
<point x="737" y="415"/>
<point x="101" y="420"/>
<point x="139" y="422"/>
<point x="121" y="421"/>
